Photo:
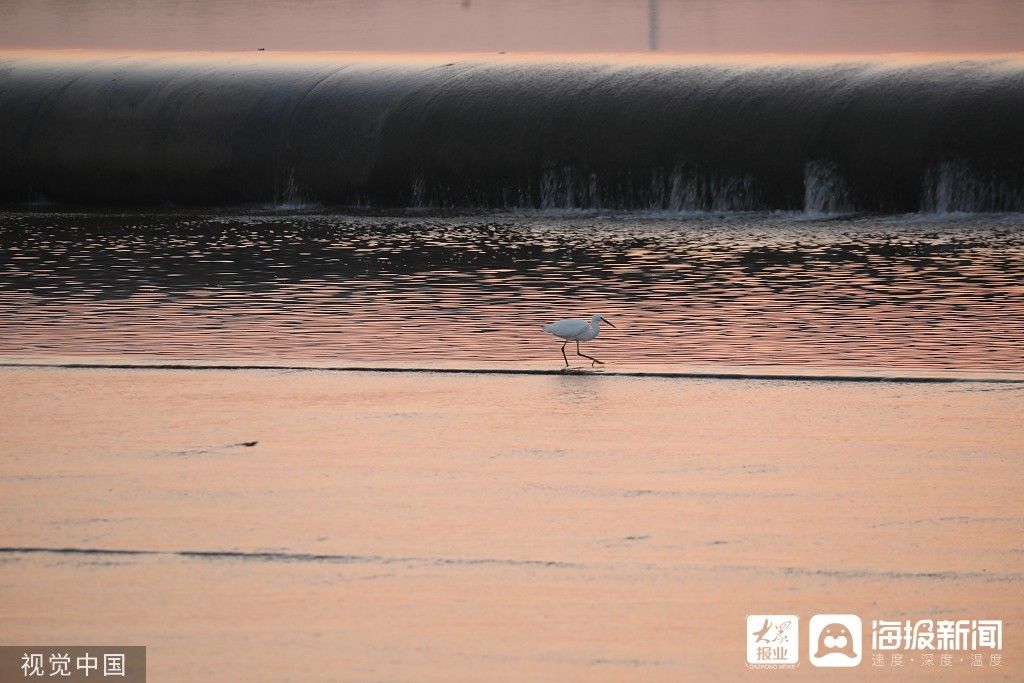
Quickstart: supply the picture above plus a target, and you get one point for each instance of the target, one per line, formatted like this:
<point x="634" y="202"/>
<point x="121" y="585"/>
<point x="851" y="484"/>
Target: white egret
<point x="577" y="330"/>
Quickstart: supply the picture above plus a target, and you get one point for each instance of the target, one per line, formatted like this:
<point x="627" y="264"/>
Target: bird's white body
<point x="575" y="329"/>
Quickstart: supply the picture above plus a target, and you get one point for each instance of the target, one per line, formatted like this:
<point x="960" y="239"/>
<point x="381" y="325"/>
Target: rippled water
<point x="737" y="289"/>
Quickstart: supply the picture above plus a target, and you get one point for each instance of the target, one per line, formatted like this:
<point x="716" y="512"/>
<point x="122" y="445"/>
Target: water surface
<point x="741" y="289"/>
<point x="448" y="528"/>
<point x="493" y="25"/>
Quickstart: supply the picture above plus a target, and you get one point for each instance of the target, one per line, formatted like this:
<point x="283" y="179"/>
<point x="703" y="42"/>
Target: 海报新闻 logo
<point x="835" y="640"/>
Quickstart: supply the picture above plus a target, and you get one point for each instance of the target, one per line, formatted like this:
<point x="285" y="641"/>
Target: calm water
<point x="739" y="289"/>
<point x="829" y="26"/>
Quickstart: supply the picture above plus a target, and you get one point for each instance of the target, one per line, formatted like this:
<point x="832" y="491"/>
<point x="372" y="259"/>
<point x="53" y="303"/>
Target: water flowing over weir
<point x="867" y="135"/>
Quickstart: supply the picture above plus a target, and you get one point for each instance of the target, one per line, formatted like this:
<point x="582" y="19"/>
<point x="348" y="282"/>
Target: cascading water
<point x="952" y="187"/>
<point x="824" y="189"/>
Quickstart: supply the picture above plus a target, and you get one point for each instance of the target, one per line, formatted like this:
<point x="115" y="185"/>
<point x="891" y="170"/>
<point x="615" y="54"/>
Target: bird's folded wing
<point x="568" y="328"/>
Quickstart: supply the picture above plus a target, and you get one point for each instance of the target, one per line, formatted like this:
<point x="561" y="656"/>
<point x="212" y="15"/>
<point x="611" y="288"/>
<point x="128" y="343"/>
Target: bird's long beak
<point x="606" y="320"/>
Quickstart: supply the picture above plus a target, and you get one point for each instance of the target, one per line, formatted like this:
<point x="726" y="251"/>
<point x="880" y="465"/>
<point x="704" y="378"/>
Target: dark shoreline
<point x="572" y="372"/>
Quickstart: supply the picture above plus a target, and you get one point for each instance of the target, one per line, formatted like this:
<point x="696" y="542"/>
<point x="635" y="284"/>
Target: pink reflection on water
<point x="709" y="26"/>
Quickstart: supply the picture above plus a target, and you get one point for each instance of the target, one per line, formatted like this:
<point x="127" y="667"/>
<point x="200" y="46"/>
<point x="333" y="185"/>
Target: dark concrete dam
<point x="944" y="134"/>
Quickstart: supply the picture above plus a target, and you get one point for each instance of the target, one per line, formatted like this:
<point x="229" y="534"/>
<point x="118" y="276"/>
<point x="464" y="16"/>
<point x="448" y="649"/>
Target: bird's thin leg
<point x="592" y="359"/>
<point x="563" y="353"/>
